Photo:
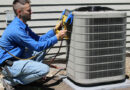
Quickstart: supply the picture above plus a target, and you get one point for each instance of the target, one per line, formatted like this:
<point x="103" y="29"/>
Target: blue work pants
<point x="26" y="71"/>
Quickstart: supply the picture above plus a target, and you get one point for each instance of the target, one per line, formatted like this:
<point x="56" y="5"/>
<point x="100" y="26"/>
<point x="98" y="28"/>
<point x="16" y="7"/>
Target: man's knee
<point x="44" y="69"/>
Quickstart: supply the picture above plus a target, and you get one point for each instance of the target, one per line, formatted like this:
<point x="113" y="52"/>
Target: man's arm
<point x="47" y="35"/>
<point x="23" y="39"/>
<point x="44" y="37"/>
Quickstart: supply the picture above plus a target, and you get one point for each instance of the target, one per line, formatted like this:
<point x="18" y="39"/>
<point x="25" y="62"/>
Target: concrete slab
<point x="121" y="86"/>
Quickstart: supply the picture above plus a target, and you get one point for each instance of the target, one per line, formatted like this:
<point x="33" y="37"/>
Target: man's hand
<point x="61" y="34"/>
<point x="58" y="26"/>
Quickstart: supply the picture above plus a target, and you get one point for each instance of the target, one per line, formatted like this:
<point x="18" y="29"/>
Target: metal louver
<point x="97" y="48"/>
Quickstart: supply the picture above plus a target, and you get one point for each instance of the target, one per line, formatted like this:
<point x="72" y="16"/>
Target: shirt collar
<point x="22" y="25"/>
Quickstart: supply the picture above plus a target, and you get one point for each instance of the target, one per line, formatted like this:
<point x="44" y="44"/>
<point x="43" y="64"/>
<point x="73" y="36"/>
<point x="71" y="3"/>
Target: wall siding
<point x="46" y="13"/>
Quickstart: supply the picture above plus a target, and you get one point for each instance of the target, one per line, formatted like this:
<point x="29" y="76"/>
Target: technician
<point x="16" y="39"/>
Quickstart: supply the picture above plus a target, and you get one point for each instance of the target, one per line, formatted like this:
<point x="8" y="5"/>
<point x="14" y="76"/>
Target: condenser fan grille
<point x="96" y="59"/>
<point x="105" y="21"/>
<point x="109" y="73"/>
<point x="97" y="48"/>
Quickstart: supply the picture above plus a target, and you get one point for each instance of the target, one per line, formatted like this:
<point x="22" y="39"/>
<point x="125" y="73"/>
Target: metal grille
<point x="97" y="48"/>
<point x="96" y="59"/>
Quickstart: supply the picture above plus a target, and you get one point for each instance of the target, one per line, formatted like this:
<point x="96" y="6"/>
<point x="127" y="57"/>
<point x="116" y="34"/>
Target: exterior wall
<point x="46" y="13"/>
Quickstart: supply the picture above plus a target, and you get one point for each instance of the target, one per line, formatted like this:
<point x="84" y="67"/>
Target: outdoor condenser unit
<point x="97" y="47"/>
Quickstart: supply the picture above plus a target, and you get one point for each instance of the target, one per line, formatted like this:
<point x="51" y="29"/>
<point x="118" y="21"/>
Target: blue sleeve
<point x="48" y="35"/>
<point x="33" y="35"/>
<point x="23" y="39"/>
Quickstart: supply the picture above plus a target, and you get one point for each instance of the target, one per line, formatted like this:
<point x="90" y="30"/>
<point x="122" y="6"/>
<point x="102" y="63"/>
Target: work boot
<point x="6" y="85"/>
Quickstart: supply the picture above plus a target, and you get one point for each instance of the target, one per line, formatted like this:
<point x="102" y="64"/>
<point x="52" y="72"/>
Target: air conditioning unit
<point x="97" y="47"/>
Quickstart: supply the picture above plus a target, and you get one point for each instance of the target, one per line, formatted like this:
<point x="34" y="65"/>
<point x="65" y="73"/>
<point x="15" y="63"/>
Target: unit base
<point x="113" y="86"/>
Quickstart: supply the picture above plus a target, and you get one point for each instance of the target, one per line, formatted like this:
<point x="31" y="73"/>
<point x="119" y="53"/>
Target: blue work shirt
<point x="17" y="36"/>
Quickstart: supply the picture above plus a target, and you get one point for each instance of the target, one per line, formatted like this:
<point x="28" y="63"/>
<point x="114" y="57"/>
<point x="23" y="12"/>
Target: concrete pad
<point x="121" y="86"/>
